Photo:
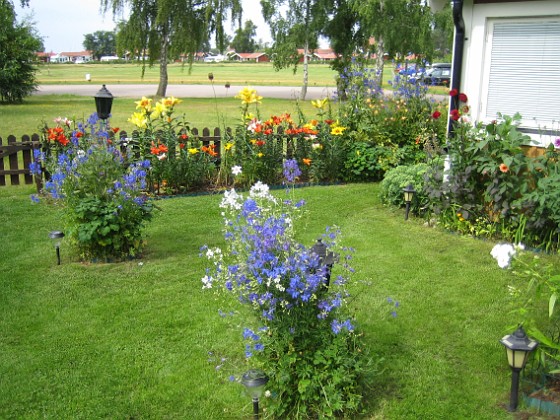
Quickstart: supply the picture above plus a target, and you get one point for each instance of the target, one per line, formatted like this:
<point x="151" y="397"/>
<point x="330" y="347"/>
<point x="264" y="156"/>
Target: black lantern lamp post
<point x="326" y="258"/>
<point x="409" y="192"/>
<point x="103" y="103"/>
<point x="518" y="346"/>
<point x="56" y="237"/>
<point x="255" y="381"/>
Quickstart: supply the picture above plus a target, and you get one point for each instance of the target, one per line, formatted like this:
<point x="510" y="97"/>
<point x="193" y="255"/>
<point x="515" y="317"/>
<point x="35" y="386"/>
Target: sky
<point x="63" y="23"/>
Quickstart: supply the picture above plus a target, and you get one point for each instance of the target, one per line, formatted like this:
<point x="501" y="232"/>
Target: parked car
<point x="214" y="59"/>
<point x="436" y="74"/>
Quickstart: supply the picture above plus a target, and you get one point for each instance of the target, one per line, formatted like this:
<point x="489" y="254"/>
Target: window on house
<point x="522" y="72"/>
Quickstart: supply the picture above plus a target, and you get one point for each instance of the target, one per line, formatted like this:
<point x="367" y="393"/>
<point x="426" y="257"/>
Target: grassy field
<point x="131" y="340"/>
<point x="235" y="73"/>
<point x="28" y="117"/>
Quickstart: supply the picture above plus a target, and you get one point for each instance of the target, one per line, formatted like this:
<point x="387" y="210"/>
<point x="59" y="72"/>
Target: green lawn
<point x="131" y="340"/>
<point x="26" y="118"/>
<point x="236" y="73"/>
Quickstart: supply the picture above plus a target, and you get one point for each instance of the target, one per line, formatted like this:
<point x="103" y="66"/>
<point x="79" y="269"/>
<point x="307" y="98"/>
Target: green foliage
<point x="493" y="187"/>
<point x="179" y="161"/>
<point x="17" y="56"/>
<point x="385" y="132"/>
<point x="297" y="327"/>
<point x="400" y="177"/>
<point x="132" y="339"/>
<point x="101" y="191"/>
<point x="160" y="30"/>
<point x="100" y="43"/>
<point x="534" y="292"/>
<point x="244" y="39"/>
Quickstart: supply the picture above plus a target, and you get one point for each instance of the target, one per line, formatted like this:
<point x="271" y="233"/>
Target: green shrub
<point x="398" y="178"/>
<point x="102" y="194"/>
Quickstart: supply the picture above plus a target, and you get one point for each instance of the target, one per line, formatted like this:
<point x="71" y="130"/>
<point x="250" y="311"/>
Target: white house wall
<point x="477" y="19"/>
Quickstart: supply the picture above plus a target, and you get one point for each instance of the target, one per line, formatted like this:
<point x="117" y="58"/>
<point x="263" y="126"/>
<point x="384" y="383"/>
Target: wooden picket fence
<point x="16" y="156"/>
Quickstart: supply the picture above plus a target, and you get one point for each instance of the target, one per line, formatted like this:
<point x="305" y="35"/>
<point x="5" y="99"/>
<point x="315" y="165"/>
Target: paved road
<point x="185" y="91"/>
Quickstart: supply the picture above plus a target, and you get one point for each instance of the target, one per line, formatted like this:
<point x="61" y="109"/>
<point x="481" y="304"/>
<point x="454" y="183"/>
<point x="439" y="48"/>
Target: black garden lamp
<point x="255" y="381"/>
<point x="518" y="346"/>
<point x="326" y="258"/>
<point x="103" y="103"/>
<point x="409" y="192"/>
<point x="56" y="238"/>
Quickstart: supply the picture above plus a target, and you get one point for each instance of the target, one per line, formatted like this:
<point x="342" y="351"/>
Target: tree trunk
<point x="163" y="76"/>
<point x="380" y="62"/>
<point x="303" y="93"/>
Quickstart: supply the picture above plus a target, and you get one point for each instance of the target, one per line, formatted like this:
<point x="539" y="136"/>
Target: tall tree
<point x="294" y="24"/>
<point x="163" y="29"/>
<point x="400" y="27"/>
<point x="346" y="35"/>
<point x="19" y="43"/>
<point x="244" y="39"/>
<point x="442" y="33"/>
<point x="100" y="43"/>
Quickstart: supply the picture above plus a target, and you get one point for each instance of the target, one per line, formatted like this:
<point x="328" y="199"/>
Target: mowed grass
<point x="29" y="117"/>
<point x="131" y="340"/>
<point x="235" y="73"/>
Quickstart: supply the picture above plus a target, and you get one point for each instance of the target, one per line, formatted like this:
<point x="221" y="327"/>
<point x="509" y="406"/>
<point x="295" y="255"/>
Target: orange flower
<point x="210" y="150"/>
<point x="306" y="161"/>
<point x="504" y="168"/>
<point x="115" y="130"/>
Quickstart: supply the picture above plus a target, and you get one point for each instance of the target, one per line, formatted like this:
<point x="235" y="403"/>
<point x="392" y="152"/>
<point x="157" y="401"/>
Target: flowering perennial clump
<point x="300" y="332"/>
<point x="179" y="161"/>
<point x="101" y="191"/>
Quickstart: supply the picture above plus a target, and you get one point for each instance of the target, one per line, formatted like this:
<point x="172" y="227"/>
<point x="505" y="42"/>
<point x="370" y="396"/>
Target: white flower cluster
<point x="232" y="200"/>
<point x="503" y="253"/>
<point x="259" y="190"/>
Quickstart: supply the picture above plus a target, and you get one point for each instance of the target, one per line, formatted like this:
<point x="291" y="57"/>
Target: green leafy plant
<point x="489" y="181"/>
<point x="297" y="327"/>
<point x="534" y="293"/>
<point x="101" y="192"/>
<point x="179" y="161"/>
<point x="396" y="179"/>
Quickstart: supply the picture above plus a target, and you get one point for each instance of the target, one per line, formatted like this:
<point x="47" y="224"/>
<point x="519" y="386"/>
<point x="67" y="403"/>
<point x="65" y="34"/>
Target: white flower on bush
<point x="260" y="190"/>
<point x="503" y="253"/>
<point x="232" y="200"/>
<point x="236" y="170"/>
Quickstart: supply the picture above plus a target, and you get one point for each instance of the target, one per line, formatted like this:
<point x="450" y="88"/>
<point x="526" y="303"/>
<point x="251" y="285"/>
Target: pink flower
<point x="463" y="97"/>
<point x="504" y="168"/>
<point x="557" y="143"/>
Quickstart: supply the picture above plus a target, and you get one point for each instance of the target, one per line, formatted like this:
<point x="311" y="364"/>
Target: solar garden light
<point x="103" y="103"/>
<point x="255" y="381"/>
<point x="518" y="346"/>
<point x="409" y="192"/>
<point x="326" y="258"/>
<point x="56" y="237"/>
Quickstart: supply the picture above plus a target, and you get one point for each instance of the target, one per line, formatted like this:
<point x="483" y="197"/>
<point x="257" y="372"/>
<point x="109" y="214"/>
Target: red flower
<point x="436" y="115"/>
<point x="115" y="130"/>
<point x="181" y="145"/>
<point x="463" y="97"/>
<point x="455" y="114"/>
<point x="184" y="136"/>
<point x="453" y="92"/>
